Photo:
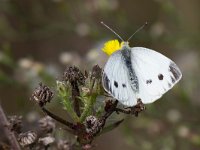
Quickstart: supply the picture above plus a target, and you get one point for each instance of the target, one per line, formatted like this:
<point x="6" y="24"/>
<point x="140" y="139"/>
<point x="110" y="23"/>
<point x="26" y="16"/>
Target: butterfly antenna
<point x="111" y="30"/>
<point x="137" y="30"/>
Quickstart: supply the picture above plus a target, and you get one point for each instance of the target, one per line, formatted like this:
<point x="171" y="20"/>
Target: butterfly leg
<point x="135" y="110"/>
<point x="138" y="108"/>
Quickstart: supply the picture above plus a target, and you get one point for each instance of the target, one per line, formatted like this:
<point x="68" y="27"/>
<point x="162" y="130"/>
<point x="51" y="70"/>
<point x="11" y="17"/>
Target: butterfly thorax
<point x="126" y="55"/>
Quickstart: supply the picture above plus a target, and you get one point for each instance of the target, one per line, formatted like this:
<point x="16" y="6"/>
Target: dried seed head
<point x="91" y="124"/>
<point x="73" y="74"/>
<point x="15" y="123"/>
<point x="46" y="140"/>
<point x="47" y="124"/>
<point x="96" y="72"/>
<point x="64" y="145"/>
<point x="42" y="95"/>
<point x="27" y="138"/>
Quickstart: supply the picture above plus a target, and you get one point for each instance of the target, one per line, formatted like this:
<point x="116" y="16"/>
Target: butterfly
<point x="134" y="74"/>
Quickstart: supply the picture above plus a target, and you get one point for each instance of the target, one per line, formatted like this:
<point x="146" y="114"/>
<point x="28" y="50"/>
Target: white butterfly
<point x="139" y="73"/>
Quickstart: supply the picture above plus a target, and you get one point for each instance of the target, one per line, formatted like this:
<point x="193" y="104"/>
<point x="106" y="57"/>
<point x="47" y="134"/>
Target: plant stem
<point x="68" y="124"/>
<point x="110" y="111"/>
<point x="9" y="134"/>
<point x="122" y="111"/>
<point x="68" y="106"/>
<point x="103" y="118"/>
<point x="90" y="102"/>
<point x="75" y="95"/>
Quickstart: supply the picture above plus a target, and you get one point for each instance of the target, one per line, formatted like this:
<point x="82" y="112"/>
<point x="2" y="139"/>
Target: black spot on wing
<point x="173" y="69"/>
<point x="149" y="81"/>
<point x="116" y="84"/>
<point x="160" y="77"/>
<point x="123" y="85"/>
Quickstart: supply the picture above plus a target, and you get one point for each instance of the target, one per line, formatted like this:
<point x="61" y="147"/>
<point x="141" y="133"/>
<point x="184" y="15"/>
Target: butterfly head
<point x="112" y="46"/>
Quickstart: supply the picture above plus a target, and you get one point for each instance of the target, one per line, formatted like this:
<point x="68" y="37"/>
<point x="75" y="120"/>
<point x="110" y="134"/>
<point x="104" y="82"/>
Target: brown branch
<point x="10" y="135"/>
<point x="109" y="112"/>
<point x="75" y="77"/>
<point x="118" y="110"/>
<point x="68" y="124"/>
<point x="111" y="108"/>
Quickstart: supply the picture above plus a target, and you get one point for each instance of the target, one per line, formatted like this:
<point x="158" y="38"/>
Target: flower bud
<point x="42" y="95"/>
<point x="27" y="138"/>
<point x="73" y="74"/>
<point x="91" y="124"/>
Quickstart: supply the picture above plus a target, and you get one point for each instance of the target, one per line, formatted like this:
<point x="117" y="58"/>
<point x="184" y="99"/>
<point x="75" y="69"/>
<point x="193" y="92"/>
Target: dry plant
<point x="78" y="93"/>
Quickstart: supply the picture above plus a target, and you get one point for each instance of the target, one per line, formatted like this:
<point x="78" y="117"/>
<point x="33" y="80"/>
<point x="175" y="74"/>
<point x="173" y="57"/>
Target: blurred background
<point x="38" y="39"/>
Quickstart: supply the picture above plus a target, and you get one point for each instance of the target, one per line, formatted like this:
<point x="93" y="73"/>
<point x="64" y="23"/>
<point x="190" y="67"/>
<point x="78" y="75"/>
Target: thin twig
<point x="112" y="107"/>
<point x="102" y="120"/>
<point x="9" y="134"/>
<point x="122" y="111"/>
<point x="68" y="124"/>
<point x="108" y="113"/>
<point x="90" y="102"/>
<point x="111" y="110"/>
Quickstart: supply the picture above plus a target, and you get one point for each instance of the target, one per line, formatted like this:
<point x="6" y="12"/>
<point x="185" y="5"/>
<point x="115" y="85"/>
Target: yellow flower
<point x="112" y="46"/>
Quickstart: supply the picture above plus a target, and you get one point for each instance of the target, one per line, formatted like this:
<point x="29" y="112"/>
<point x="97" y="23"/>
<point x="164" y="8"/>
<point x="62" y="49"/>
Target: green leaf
<point x="64" y="94"/>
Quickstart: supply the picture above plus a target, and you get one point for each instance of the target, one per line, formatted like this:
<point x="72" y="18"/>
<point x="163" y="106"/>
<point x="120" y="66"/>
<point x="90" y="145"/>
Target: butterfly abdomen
<point x="126" y="54"/>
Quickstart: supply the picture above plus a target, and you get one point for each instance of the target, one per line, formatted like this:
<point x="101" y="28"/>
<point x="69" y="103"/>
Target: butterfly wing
<point x="156" y="73"/>
<point x="116" y="82"/>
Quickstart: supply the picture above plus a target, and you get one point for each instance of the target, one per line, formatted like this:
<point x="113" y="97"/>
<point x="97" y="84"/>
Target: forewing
<point x="116" y="81"/>
<point x="156" y="73"/>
